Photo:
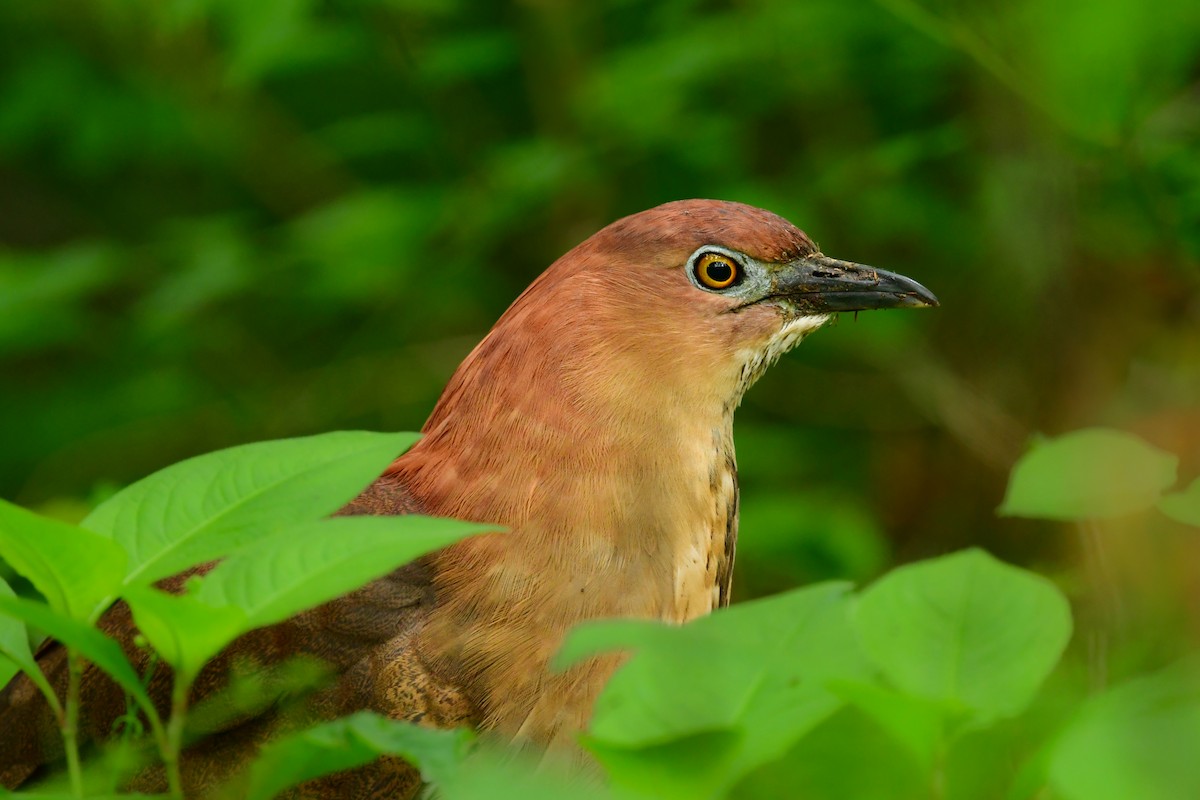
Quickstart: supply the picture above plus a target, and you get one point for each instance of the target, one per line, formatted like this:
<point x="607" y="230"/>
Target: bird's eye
<point x="717" y="271"/>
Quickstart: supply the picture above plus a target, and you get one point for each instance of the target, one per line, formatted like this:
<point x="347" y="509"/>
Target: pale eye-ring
<point x="717" y="270"/>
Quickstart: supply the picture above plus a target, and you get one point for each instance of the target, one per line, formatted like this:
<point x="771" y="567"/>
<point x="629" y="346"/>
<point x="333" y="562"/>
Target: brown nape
<point x="594" y="422"/>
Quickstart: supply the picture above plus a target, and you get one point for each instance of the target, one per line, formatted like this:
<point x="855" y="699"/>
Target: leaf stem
<point x="174" y="734"/>
<point x="70" y="722"/>
<point x="1106" y="599"/>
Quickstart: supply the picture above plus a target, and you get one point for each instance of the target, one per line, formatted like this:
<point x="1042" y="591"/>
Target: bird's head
<point x="684" y="304"/>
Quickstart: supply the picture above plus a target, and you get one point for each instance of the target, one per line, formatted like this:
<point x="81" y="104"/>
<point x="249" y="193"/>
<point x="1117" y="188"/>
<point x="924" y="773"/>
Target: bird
<point x="594" y="422"/>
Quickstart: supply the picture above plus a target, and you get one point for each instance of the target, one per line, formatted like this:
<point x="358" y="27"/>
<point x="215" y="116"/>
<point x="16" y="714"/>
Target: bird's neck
<point x="616" y="510"/>
<point x="619" y="497"/>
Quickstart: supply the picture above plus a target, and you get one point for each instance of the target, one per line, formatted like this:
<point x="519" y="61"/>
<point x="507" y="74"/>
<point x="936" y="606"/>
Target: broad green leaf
<point x="1089" y="474"/>
<point x="350" y="742"/>
<point x="74" y="569"/>
<point x="14" y="644"/>
<point x="757" y="670"/>
<point x="82" y="638"/>
<point x="846" y="757"/>
<point x="914" y="722"/>
<point x="491" y="773"/>
<point x="205" y="507"/>
<point x="308" y="564"/>
<point x="183" y="630"/>
<point x="1183" y="506"/>
<point x="966" y="630"/>
<point x="1138" y="740"/>
<point x="691" y="767"/>
<point x="8" y="671"/>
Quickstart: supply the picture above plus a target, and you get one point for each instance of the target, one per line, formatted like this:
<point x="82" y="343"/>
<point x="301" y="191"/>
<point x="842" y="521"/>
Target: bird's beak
<point x="821" y="284"/>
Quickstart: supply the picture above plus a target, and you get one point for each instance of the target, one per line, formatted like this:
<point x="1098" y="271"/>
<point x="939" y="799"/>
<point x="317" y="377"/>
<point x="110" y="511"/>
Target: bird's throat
<point x="639" y="522"/>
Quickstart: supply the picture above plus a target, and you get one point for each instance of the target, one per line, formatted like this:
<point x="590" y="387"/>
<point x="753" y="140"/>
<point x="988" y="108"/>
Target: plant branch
<point x="70" y="722"/>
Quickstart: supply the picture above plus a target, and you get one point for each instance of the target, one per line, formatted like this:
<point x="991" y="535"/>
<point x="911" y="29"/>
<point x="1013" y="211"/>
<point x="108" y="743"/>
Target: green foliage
<point x="260" y="505"/>
<point x="949" y="645"/>
<point x="349" y="742"/>
<point x="75" y="570"/>
<point x="1184" y="505"/>
<point x="14" y="645"/>
<point x="184" y="631"/>
<point x="207" y="506"/>
<point x="1136" y="740"/>
<point x="296" y="568"/>
<point x="976" y="635"/>
<point x="1089" y="474"/>
<point x="81" y="638"/>
<point x="755" y="674"/>
<point x="227" y="221"/>
<point x="935" y="674"/>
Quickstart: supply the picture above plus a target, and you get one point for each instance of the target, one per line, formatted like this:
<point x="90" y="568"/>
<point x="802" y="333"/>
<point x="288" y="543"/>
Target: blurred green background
<point x="224" y="220"/>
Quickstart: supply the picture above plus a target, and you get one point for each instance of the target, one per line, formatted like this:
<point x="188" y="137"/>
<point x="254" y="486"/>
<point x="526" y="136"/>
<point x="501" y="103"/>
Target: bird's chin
<point x="798" y="318"/>
<point x="796" y="325"/>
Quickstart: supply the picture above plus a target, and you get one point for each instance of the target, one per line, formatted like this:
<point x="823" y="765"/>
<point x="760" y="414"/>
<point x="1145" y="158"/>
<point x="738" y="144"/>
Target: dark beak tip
<point x="916" y="296"/>
<point x="925" y="299"/>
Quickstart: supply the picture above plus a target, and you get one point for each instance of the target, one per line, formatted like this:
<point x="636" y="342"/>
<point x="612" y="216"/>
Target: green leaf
<point x="183" y="630"/>
<point x="8" y="671"/>
<point x="14" y="644"/>
<point x="757" y="671"/>
<point x="350" y="742"/>
<point x="1138" y="740"/>
<point x="74" y="569"/>
<point x="82" y="638"/>
<point x="691" y="767"/>
<point x="497" y="774"/>
<point x="1089" y="474"/>
<point x="205" y="507"/>
<point x="965" y="630"/>
<point x="304" y="566"/>
<point x="914" y="722"/>
<point x="1183" y="506"/>
<point x="846" y="757"/>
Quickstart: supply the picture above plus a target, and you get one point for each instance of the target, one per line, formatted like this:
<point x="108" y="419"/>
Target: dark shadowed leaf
<point x="14" y="644"/>
<point x="74" y="569"/>
<point x="965" y="630"/>
<point x="84" y="639"/>
<point x="205" y="507"/>
<point x="1088" y="474"/>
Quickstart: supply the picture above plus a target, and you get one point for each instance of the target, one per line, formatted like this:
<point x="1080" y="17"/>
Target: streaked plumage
<point x="594" y="422"/>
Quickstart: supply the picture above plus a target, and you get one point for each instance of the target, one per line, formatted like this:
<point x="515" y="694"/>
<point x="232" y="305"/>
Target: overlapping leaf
<point x="311" y="563"/>
<point x="755" y="674"/>
<point x="83" y="639"/>
<point x="205" y="507"/>
<point x="1137" y="740"/>
<point x="350" y="742"/>
<point x="1088" y="474"/>
<point x="74" y="569"/>
<point x="14" y="644"/>
<point x="966" y="630"/>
